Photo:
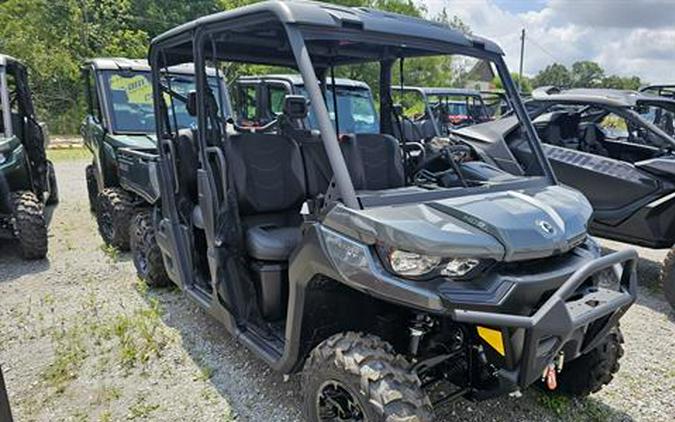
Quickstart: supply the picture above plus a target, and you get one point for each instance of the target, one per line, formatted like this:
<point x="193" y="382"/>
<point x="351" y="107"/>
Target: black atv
<point x="616" y="147"/>
<point x="391" y="288"/>
<point x="120" y="116"/>
<point x="27" y="178"/>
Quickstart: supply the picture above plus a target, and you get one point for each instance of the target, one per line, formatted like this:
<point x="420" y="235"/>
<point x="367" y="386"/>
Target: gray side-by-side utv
<point x="27" y="178"/>
<point x="617" y="147"/>
<point x="119" y="130"/>
<point x="392" y="288"/>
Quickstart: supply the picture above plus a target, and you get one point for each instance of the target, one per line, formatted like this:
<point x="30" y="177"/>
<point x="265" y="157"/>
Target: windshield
<point x="356" y="111"/>
<point x="662" y="116"/>
<point x="129" y="100"/>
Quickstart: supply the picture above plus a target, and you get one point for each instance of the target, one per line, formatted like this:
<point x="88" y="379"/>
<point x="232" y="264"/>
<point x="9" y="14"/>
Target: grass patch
<point x="70" y="352"/>
<point x="556" y="403"/>
<point x="141" y="409"/>
<point x="205" y="373"/>
<point x="111" y="252"/>
<point x="68" y="154"/>
<point x="107" y="394"/>
<point x="141" y="335"/>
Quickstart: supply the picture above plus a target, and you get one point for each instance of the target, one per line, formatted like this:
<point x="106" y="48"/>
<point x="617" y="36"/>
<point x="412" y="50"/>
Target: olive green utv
<point x="27" y="178"/>
<point x="120" y="116"/>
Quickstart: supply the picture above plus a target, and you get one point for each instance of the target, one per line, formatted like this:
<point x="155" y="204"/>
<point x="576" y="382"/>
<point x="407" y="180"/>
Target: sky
<point x="627" y="37"/>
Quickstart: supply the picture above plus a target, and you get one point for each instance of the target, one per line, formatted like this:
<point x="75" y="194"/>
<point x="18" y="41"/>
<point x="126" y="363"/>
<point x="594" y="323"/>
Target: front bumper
<point x="568" y="320"/>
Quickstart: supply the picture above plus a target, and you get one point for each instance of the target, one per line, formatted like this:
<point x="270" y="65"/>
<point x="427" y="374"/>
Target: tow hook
<point x="550" y="375"/>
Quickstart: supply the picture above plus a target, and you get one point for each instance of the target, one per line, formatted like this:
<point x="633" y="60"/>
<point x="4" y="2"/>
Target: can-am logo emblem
<point x="546" y="227"/>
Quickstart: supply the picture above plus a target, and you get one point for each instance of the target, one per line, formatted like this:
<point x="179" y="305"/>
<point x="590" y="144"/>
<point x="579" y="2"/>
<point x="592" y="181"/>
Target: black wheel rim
<point x="335" y="402"/>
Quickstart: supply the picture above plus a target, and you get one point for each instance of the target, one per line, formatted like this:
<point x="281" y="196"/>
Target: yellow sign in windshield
<point x="137" y="88"/>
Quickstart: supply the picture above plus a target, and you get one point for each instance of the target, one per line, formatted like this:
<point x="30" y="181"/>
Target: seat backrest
<point x="318" y="170"/>
<point x="187" y="163"/>
<point x="381" y="162"/>
<point x="268" y="173"/>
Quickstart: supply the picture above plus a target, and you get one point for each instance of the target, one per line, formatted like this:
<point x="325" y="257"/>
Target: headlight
<point x="459" y="267"/>
<point x="412" y="264"/>
<point x="420" y="266"/>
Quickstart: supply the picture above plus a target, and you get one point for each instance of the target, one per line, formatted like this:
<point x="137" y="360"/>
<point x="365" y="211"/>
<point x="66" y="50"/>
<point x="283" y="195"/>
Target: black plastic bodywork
<point x="202" y="242"/>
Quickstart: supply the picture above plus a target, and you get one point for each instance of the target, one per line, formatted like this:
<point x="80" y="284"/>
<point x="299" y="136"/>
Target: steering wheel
<point x="450" y="155"/>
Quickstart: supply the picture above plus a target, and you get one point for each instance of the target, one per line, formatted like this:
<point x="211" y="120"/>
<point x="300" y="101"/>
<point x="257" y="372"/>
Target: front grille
<point x="531" y="266"/>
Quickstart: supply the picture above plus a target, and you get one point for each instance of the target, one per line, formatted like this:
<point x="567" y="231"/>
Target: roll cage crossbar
<point x="312" y="38"/>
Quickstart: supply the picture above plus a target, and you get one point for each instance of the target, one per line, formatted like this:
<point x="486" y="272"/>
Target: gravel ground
<point x="82" y="340"/>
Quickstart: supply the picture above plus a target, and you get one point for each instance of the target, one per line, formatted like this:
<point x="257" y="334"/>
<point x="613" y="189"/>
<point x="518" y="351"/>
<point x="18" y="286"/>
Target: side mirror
<point x="398" y="109"/>
<point x="191" y="105"/>
<point x="295" y="107"/>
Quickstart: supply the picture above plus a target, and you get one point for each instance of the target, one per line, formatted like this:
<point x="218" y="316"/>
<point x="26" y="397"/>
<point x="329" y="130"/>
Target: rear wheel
<point x="668" y="277"/>
<point x="145" y="251"/>
<point x="114" y="211"/>
<point x="359" y="377"/>
<point x="30" y="227"/>
<point x="590" y="372"/>
<point x="53" y="198"/>
<point x="92" y="186"/>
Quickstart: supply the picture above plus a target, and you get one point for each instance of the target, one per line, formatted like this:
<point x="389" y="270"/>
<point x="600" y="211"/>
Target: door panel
<point x="607" y="183"/>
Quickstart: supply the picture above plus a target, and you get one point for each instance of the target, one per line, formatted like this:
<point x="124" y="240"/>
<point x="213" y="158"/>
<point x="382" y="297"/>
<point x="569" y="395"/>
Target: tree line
<point x="55" y="37"/>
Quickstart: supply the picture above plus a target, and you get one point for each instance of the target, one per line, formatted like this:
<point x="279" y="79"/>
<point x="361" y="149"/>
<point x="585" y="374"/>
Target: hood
<point x="146" y="141"/>
<point x="505" y="226"/>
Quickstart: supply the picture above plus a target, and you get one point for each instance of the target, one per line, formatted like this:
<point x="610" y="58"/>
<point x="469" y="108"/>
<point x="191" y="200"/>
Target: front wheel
<point x="114" y="210"/>
<point x="590" y="372"/>
<point x="30" y="227"/>
<point x="145" y="252"/>
<point x="358" y="377"/>
<point x="668" y="277"/>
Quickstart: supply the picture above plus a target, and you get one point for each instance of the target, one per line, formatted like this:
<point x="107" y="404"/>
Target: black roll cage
<point x="203" y="37"/>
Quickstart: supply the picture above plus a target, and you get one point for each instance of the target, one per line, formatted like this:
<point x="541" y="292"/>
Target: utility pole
<point x="522" y="55"/>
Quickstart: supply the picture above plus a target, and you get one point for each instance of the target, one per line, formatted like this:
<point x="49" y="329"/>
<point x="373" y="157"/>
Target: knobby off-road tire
<point x="145" y="252"/>
<point x="590" y="372"/>
<point x="53" y="185"/>
<point x="30" y="227"/>
<point x="368" y="371"/>
<point x="668" y="277"/>
<point x="92" y="186"/>
<point x="114" y="211"/>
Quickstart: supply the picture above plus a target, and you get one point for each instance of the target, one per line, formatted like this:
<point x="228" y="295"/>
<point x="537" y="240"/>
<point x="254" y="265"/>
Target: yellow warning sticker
<point x="493" y="338"/>
<point x="137" y="88"/>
